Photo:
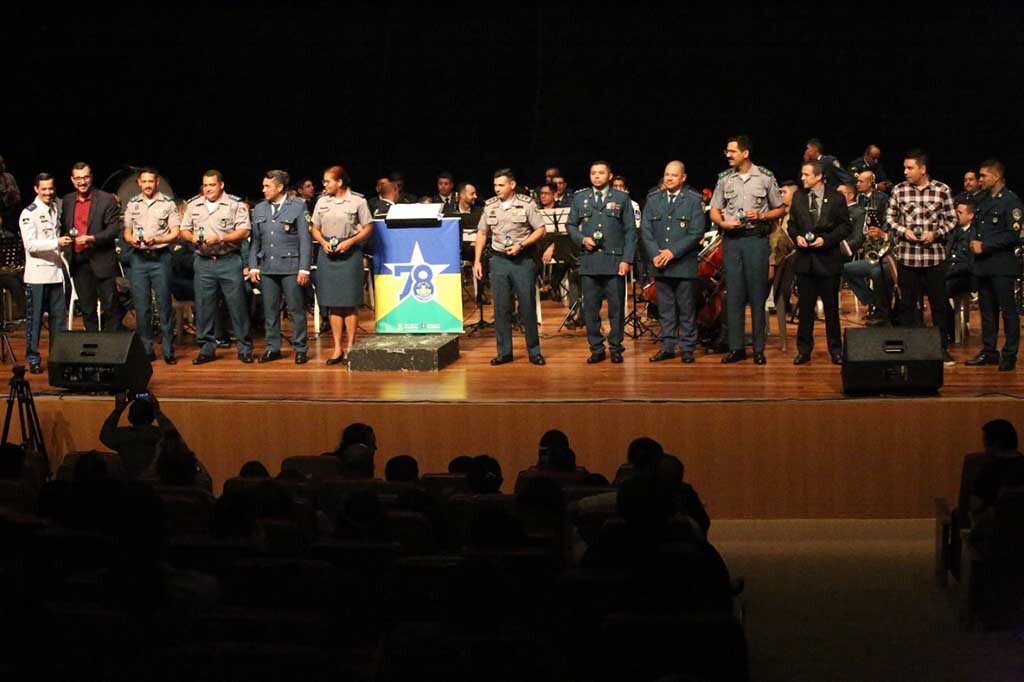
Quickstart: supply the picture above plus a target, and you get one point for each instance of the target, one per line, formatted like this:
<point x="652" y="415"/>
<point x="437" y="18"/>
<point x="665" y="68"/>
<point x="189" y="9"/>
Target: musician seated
<point x="958" y="255"/>
<point x="870" y="275"/>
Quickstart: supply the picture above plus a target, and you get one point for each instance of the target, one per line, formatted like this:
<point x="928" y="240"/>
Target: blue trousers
<point x="746" y="279"/>
<point x="221" y="274"/>
<point x="53" y="298"/>
<point x="518" y="277"/>
<point x="272" y="287"/>
<point x="597" y="289"/>
<point x="151" y="272"/>
<point x="676" y="313"/>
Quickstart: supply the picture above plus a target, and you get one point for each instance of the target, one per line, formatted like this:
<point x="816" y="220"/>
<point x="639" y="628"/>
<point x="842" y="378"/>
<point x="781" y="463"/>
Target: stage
<point x="773" y="441"/>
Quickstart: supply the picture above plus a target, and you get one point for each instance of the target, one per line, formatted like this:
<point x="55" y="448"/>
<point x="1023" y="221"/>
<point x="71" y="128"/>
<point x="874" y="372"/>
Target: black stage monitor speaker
<point x="904" y="360"/>
<point x="99" y="362"/>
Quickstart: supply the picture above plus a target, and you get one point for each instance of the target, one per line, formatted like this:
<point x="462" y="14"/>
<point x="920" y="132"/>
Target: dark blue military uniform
<point x="997" y="224"/>
<point x="611" y="218"/>
<point x="834" y="172"/>
<point x="677" y="225"/>
<point x="281" y="248"/>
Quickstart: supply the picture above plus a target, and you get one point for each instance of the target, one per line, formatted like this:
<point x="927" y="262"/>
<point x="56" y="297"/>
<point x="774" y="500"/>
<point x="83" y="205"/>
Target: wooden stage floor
<point x="566" y="377"/>
<point x="776" y="441"/>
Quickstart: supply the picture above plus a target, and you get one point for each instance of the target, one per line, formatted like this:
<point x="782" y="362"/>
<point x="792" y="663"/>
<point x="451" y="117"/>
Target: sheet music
<point x="554" y="219"/>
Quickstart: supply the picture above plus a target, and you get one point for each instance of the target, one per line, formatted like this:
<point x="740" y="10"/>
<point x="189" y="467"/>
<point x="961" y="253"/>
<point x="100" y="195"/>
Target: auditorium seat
<point x="67" y="465"/>
<point x="185" y="514"/>
<point x="412" y="531"/>
<point x="297" y="584"/>
<point x="17" y="496"/>
<point x="574" y="493"/>
<point x="565" y="478"/>
<point x="331" y="493"/>
<point x="313" y="467"/>
<point x="462" y="507"/>
<point x="209" y="555"/>
<point x="443" y="486"/>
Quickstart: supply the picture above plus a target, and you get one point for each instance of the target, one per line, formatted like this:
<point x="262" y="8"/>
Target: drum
<point x="709" y="261"/>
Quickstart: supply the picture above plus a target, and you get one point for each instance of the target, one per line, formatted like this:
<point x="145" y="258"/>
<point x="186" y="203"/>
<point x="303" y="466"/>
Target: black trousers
<point x="995" y="296"/>
<point x="956" y="285"/>
<point x="813" y="287"/>
<point x="90" y="288"/>
<point x="916" y="282"/>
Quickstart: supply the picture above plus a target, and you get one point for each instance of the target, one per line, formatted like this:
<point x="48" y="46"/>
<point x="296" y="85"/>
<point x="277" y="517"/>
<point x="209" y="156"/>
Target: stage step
<point x="416" y="352"/>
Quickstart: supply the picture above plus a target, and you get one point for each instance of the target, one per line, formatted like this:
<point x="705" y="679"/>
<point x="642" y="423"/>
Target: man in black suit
<point x="818" y="223"/>
<point x="91" y="217"/>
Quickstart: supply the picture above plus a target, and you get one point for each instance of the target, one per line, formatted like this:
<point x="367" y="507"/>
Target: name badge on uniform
<point x="612" y="206"/>
<point x="682" y="223"/>
<point x="288" y="227"/>
<point x="162" y="222"/>
<point x="223" y="222"/>
<point x="518" y="211"/>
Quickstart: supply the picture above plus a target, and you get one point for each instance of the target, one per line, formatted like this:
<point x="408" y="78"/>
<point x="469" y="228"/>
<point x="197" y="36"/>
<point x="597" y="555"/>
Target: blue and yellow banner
<point x="417" y="282"/>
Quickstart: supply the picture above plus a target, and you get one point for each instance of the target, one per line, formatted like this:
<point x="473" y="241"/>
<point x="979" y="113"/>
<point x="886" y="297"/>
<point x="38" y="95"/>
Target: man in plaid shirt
<point x="921" y="212"/>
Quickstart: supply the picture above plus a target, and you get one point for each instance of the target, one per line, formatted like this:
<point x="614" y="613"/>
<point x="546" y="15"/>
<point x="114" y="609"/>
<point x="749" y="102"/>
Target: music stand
<point x="12" y="265"/>
<point x="485" y="259"/>
<point x="636" y="326"/>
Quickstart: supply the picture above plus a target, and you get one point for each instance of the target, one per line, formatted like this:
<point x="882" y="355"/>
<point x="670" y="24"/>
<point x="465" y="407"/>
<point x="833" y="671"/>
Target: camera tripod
<point x="28" y="418"/>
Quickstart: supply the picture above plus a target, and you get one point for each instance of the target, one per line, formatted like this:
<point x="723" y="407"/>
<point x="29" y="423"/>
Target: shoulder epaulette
<point x="579" y="191"/>
<point x="526" y="197"/>
<point x="694" y="193"/>
<point x="198" y="196"/>
<point x="491" y="201"/>
<point x="356" y="194"/>
<point x="137" y="197"/>
<point x="727" y="171"/>
<point x="766" y="171"/>
<point x="31" y="207"/>
<point x="235" y="198"/>
<point x="654" y="191"/>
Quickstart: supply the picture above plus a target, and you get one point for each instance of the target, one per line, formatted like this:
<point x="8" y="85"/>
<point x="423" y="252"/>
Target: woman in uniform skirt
<point x="341" y="223"/>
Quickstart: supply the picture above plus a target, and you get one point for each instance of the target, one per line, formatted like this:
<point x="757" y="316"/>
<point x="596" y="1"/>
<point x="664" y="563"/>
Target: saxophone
<point x="874" y="250"/>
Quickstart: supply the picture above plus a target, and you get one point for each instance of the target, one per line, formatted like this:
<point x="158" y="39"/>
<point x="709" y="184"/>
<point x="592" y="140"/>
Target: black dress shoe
<point x="837" y="358"/>
<point x="203" y="359"/>
<point x="983" y="359"/>
<point x="1007" y="363"/>
<point x="734" y="356"/>
<point x="716" y="348"/>
<point x="501" y="360"/>
<point x="170" y="360"/>
<point x="687" y="357"/>
<point x="759" y="358"/>
<point x="35" y="368"/>
<point x="223" y="343"/>
<point x="538" y="359"/>
<point x="245" y="358"/>
<point x="301" y="358"/>
<point x="616" y="358"/>
<point x="270" y="356"/>
<point x="662" y="355"/>
<point x="595" y="358"/>
<point x="336" y="361"/>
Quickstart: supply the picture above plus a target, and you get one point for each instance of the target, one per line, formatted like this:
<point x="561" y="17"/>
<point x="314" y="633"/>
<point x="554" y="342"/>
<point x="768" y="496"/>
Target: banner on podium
<point x="417" y="279"/>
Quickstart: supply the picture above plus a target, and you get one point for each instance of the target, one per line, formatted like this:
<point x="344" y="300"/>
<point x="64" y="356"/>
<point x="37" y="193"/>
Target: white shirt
<point x="212" y="206"/>
<point x="39" y="232"/>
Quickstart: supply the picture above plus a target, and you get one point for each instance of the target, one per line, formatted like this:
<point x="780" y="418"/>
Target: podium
<point x="417" y="291"/>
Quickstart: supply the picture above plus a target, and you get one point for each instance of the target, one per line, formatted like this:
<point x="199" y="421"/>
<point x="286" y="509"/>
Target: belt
<point x="150" y="254"/>
<point x="759" y="230"/>
<point x="218" y="256"/>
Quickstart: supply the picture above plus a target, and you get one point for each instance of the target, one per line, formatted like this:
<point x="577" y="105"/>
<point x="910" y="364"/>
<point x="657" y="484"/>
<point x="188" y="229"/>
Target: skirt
<point x="339" y="279"/>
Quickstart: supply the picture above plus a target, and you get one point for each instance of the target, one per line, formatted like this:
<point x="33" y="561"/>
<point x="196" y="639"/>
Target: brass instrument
<point x="874" y="250"/>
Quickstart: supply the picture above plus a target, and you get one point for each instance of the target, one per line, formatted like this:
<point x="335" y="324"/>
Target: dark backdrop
<point x="420" y="90"/>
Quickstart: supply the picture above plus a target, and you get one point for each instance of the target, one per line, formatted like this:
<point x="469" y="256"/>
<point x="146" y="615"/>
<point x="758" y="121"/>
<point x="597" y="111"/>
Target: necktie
<point x="672" y="199"/>
<point x="598" y="198"/>
<point x="814" y="206"/>
<point x="277" y="207"/>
